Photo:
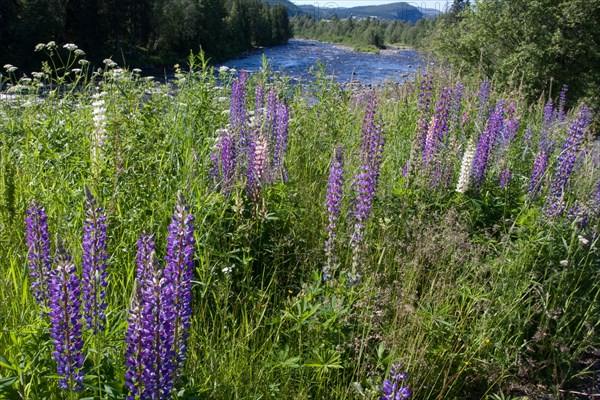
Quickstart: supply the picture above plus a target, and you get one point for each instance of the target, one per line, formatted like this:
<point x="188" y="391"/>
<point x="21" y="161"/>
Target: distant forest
<point x="363" y="33"/>
<point x="140" y="32"/>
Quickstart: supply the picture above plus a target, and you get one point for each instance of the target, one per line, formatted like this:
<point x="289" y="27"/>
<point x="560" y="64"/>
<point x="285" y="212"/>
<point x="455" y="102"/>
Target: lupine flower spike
<point x="38" y="256"/>
<point x="177" y="295"/>
<point x="99" y="134"/>
<point x="93" y="266"/>
<point x="134" y="376"/>
<point x="334" y="201"/>
<point x="394" y="388"/>
<point x="365" y="184"/>
<point x="465" y="168"/>
<point x="65" y="318"/>
<point x="555" y="203"/>
<point x="156" y="338"/>
<point x="486" y="143"/>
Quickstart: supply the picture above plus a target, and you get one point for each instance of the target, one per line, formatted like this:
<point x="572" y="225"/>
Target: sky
<point x="436" y="4"/>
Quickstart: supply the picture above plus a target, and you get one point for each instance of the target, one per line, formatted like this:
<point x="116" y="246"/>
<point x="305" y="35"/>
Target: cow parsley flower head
<point x="70" y="47"/>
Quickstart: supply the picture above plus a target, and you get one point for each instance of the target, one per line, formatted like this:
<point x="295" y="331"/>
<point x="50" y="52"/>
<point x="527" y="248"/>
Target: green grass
<point x="471" y="291"/>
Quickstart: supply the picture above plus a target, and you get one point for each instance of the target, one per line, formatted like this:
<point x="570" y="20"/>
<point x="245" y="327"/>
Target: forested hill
<point x="140" y="31"/>
<point x="394" y="11"/>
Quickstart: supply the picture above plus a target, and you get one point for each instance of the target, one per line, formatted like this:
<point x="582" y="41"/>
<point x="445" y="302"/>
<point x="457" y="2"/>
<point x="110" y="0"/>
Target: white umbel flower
<point x="465" y="169"/>
<point x="70" y="47"/>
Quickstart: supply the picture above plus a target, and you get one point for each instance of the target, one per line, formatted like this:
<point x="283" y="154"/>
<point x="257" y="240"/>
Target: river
<point x="300" y="56"/>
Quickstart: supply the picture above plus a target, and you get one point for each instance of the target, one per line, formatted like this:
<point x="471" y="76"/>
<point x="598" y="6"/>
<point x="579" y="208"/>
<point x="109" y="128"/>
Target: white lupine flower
<point x="465" y="169"/>
<point x="70" y="47"/>
<point x="99" y="133"/>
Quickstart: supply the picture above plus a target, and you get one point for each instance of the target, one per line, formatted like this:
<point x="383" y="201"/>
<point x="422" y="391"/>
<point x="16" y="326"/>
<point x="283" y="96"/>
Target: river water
<point x="300" y="56"/>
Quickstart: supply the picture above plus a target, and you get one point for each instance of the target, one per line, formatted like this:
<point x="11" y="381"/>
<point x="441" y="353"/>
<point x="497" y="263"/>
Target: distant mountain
<point x="292" y="8"/>
<point x="401" y="11"/>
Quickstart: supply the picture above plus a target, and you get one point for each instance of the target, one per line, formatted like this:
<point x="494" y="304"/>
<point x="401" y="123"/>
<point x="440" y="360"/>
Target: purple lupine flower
<point x="562" y="100"/>
<point x="505" y="178"/>
<point x="528" y="136"/>
<point x="483" y="96"/>
<point x="579" y="215"/>
<point x="334" y="202"/>
<point x="238" y="114"/>
<point x="510" y="127"/>
<point x="65" y="319"/>
<point x="38" y="252"/>
<point x="393" y="388"/>
<point x="372" y="141"/>
<point x="134" y="376"/>
<point x="93" y="265"/>
<point x="237" y="107"/>
<point x="418" y="143"/>
<point x="365" y="183"/>
<point x="543" y="156"/>
<point x="506" y="138"/>
<point x="566" y="161"/>
<point x="281" y="139"/>
<point x="485" y="144"/>
<point x="539" y="169"/>
<point x="156" y="335"/>
<point x="456" y="106"/>
<point x="177" y="294"/>
<point x="548" y="117"/>
<point x="227" y="150"/>
<point x="436" y="135"/>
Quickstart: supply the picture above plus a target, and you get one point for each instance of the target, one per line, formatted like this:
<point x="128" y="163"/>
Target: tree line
<point x="140" y="31"/>
<point x="362" y="33"/>
<point x="534" y="46"/>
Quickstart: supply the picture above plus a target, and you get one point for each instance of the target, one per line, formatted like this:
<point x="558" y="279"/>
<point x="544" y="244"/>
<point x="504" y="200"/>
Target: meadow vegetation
<point x="323" y="236"/>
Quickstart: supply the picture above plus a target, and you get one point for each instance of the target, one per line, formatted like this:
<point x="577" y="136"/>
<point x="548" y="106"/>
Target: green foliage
<point x="140" y="32"/>
<point x="532" y="45"/>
